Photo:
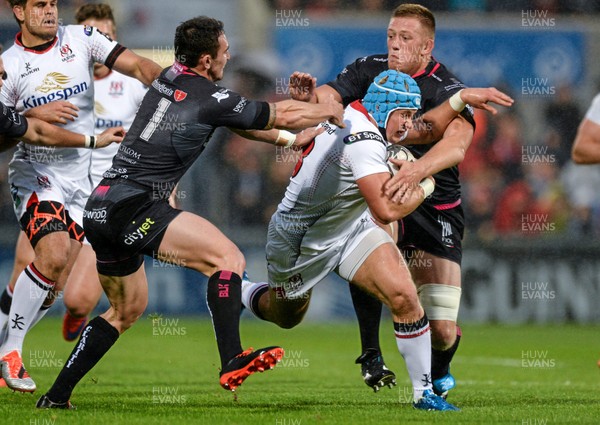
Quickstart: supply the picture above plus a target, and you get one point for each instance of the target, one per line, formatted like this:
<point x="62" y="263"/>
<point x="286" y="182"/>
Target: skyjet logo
<point x="139" y="233"/>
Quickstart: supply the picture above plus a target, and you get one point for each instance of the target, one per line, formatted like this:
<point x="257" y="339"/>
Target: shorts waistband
<point x="449" y="206"/>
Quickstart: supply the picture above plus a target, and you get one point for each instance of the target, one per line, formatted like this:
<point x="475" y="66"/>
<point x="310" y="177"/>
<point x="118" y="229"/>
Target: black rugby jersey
<point x="12" y="124"/>
<point x="437" y="84"/>
<point x="174" y="122"/>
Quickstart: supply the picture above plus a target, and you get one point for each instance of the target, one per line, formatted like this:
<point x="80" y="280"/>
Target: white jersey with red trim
<point x="62" y="71"/>
<point x="117" y="99"/>
<point x="323" y="195"/>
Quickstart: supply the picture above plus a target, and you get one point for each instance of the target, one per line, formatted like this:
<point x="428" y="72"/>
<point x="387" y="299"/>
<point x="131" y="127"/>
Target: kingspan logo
<point x="54" y="82"/>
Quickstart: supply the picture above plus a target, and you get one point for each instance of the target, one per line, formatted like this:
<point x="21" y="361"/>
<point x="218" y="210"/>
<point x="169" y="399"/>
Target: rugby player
<point x="333" y="216"/>
<point x="116" y="99"/>
<point x="48" y="64"/>
<point x="135" y="222"/>
<point x="433" y="232"/>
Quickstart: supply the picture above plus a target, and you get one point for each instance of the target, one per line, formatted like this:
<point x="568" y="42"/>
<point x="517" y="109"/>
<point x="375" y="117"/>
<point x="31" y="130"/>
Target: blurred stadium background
<point x="533" y="217"/>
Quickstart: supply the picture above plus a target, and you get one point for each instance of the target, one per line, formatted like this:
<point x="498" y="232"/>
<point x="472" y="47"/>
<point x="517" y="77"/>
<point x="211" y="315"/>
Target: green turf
<point x="166" y="372"/>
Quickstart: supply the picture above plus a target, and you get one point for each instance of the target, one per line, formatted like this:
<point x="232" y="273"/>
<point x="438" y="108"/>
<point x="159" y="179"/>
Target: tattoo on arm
<point x="272" y="116"/>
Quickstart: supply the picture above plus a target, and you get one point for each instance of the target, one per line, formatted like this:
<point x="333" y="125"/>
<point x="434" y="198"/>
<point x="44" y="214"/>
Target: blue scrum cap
<point x="389" y="91"/>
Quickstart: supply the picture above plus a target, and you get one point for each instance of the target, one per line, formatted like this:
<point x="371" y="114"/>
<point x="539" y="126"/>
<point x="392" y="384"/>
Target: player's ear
<point x="19" y="13"/>
<point x="205" y="61"/>
<point x="428" y="47"/>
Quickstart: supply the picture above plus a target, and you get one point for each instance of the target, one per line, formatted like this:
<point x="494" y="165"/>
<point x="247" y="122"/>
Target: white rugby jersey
<point x="63" y="71"/>
<point x="593" y="112"/>
<point x="117" y="98"/>
<point x="322" y="193"/>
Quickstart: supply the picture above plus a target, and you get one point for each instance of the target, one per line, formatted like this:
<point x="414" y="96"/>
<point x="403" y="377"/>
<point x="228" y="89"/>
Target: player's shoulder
<point x="372" y="62"/>
<point x="11" y="54"/>
<point x="441" y="76"/>
<point x="381" y="58"/>
<point x="359" y="127"/>
<point x="81" y="32"/>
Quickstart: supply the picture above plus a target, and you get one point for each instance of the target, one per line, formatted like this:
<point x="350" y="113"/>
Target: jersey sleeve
<point x="231" y="109"/>
<point x="12" y="124"/>
<point x="102" y="48"/>
<point x="353" y="82"/>
<point x="365" y="153"/>
<point x="593" y="113"/>
<point x="8" y="95"/>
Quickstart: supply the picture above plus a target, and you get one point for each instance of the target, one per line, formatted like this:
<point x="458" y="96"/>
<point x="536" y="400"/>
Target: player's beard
<point x="46" y="31"/>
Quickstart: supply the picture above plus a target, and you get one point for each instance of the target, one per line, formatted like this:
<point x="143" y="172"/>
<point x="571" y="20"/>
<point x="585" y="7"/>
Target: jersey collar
<point x="42" y="48"/>
<point x="431" y="67"/>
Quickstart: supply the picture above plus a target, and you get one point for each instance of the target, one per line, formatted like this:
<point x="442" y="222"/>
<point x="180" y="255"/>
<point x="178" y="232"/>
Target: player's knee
<point x="78" y="310"/>
<point x="79" y="304"/>
<point x="443" y="334"/>
<point x="403" y="303"/>
<point x="441" y="302"/>
<point x="52" y="262"/>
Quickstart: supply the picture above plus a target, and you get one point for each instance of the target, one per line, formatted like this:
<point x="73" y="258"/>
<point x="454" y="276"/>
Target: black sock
<point x="5" y="302"/>
<point x="440" y="360"/>
<point x="96" y="339"/>
<point x="368" y="313"/>
<point x="224" y="297"/>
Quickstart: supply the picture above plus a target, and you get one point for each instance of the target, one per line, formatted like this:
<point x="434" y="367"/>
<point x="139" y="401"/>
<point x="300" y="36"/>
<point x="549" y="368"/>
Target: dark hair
<point x="196" y="37"/>
<point x="412" y="10"/>
<point x="14" y="3"/>
<point x="97" y="11"/>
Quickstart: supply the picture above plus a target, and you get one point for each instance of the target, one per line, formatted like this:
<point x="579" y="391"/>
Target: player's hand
<point x="411" y="194"/>
<point x="302" y="86"/>
<point x="479" y="98"/>
<point x="110" y="135"/>
<point x="400" y="187"/>
<point x="336" y="112"/>
<point x="57" y="112"/>
<point x="306" y="136"/>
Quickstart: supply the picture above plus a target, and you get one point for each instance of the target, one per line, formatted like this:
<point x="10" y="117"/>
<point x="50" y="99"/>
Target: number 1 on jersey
<point x="163" y="105"/>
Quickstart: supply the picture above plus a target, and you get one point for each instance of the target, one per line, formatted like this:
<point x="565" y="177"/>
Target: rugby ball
<point x="398" y="152"/>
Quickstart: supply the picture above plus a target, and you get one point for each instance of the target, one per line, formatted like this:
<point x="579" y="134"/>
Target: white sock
<point x="6" y="298"/>
<point x="40" y="314"/>
<point x="249" y="291"/>
<point x="30" y="292"/>
<point x="414" y="343"/>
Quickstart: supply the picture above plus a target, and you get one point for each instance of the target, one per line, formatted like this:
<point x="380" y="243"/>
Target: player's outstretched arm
<point x="432" y="124"/>
<point x="138" y="67"/>
<point x="295" y="115"/>
<point x="43" y="134"/>
<point x="586" y="148"/>
<point x="282" y="137"/>
<point x="382" y="208"/>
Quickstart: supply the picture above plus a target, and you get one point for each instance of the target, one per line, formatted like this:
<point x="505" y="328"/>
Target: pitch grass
<point x="165" y="372"/>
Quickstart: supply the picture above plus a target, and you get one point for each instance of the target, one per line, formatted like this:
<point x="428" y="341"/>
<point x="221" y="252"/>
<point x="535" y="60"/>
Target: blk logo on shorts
<point x="446" y="232"/>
